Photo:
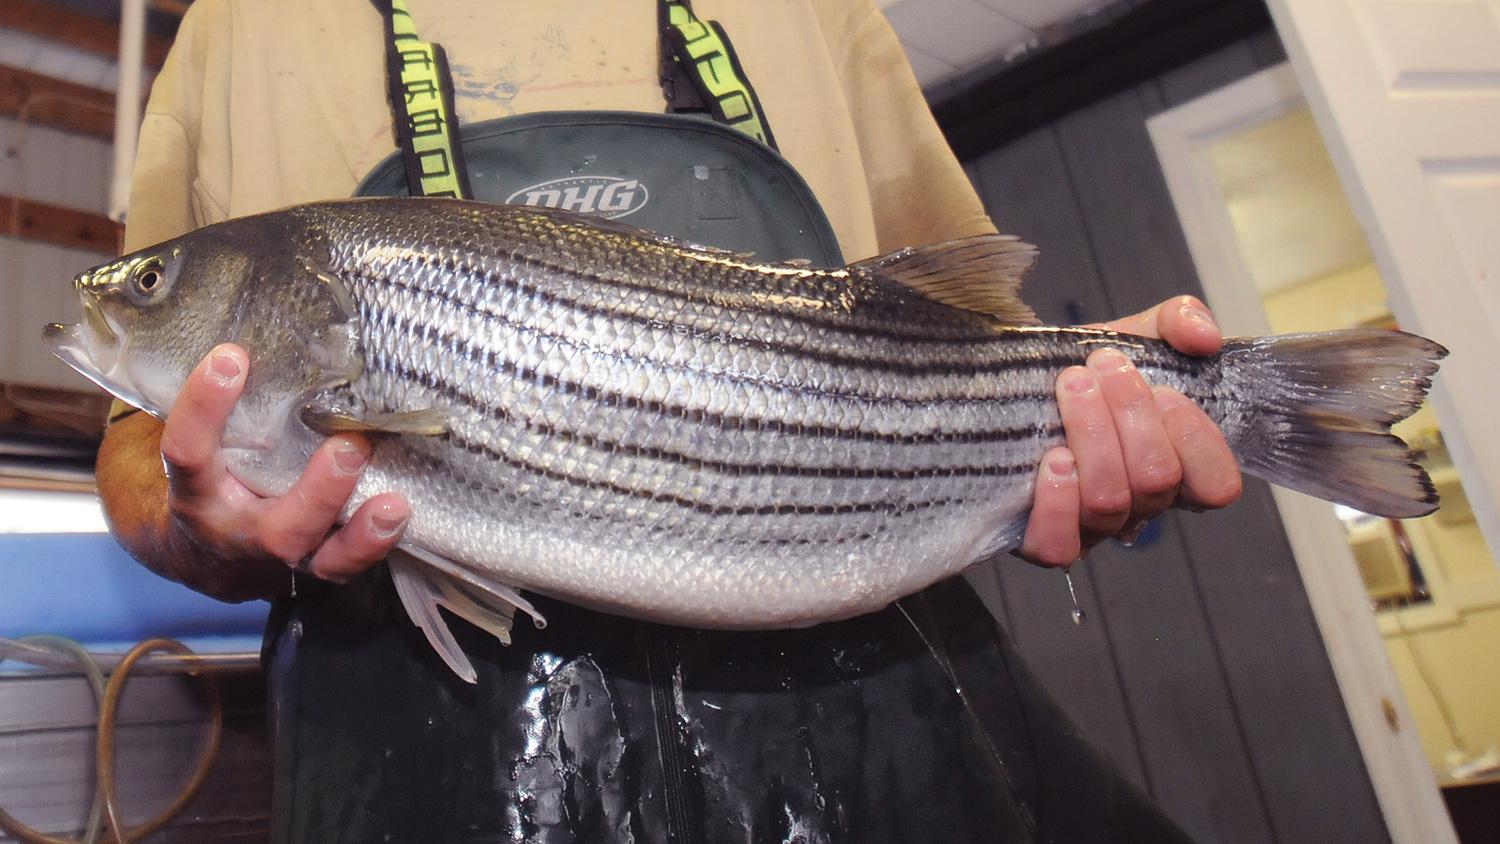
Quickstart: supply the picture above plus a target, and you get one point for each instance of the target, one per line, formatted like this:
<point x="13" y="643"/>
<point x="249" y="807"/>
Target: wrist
<point x="206" y="568"/>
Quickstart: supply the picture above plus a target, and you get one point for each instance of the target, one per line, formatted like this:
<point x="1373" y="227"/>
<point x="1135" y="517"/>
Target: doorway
<point x="1278" y="250"/>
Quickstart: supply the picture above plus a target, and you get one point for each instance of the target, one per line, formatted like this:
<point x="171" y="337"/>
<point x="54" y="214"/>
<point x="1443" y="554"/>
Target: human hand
<point x="1133" y="450"/>
<point x="236" y="529"/>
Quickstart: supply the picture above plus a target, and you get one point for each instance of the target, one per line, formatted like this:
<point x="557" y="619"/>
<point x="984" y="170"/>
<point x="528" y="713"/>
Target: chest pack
<point x="706" y="172"/>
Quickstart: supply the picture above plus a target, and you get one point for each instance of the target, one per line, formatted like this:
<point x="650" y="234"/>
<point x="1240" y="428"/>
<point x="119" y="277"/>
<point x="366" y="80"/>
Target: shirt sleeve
<point x="919" y="190"/>
<point x="168" y="196"/>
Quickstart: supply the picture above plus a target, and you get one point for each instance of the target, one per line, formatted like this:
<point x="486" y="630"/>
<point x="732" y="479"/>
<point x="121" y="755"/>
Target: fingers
<point x="221" y="514"/>
<point x="295" y="524"/>
<point x="299" y="528"/>
<point x="369" y="536"/>
<point x="1052" y="537"/>
<point x="1184" y="322"/>
<point x="190" y="438"/>
<point x="1152" y="467"/>
<point x="1210" y="474"/>
<point x="1137" y="451"/>
<point x="1104" y="485"/>
<point x="1128" y="467"/>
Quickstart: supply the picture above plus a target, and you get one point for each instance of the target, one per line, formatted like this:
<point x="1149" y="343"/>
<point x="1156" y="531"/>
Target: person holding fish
<point x="608" y="726"/>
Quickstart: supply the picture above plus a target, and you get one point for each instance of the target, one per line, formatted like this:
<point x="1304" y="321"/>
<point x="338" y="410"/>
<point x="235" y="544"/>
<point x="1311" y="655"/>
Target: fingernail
<point x="1195" y="312"/>
<point x="1077" y="382"/>
<point x="1108" y="360"/>
<point x="386" y="525"/>
<point x="348" y="459"/>
<point x="224" y="368"/>
<point x="1062" y="467"/>
<point x="1168" y="398"/>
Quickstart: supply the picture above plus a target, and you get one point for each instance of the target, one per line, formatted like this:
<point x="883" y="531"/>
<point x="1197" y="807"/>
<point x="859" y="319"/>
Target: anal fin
<point x="426" y="581"/>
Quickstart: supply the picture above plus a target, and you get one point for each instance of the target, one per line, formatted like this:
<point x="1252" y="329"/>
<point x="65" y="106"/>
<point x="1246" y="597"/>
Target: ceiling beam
<point x="172" y="7"/>
<point x="59" y="226"/>
<point x="44" y="100"/>
<point x="80" y="31"/>
<point x="1143" y="43"/>
<point x="44" y="429"/>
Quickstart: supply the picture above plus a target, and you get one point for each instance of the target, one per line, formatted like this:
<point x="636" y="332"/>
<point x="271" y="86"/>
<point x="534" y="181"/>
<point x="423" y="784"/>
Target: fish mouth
<point x="94" y="349"/>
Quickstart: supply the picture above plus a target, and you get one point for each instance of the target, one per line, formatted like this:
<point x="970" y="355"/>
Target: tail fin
<point x="1318" y="410"/>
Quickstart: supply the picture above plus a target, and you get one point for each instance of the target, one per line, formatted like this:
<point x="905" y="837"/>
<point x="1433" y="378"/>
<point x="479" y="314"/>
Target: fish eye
<point x="148" y="278"/>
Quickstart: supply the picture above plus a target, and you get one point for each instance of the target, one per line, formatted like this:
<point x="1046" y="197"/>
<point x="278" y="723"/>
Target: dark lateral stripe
<point x="1056" y="359"/>
<point x="889" y="507"/>
<point x="492" y="362"/>
<point x="720" y="467"/>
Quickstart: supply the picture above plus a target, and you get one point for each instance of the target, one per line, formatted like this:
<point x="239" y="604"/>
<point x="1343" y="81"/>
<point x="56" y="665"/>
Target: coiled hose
<point x="106" y="808"/>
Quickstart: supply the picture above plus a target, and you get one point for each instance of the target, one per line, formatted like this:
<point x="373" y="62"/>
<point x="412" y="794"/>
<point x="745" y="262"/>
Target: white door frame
<point x="1387" y="736"/>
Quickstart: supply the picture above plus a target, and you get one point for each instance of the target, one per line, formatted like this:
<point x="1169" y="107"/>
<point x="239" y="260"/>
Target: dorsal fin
<point x="981" y="273"/>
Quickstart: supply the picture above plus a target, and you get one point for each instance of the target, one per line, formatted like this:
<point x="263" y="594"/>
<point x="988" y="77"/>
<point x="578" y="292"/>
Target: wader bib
<point x="911" y="725"/>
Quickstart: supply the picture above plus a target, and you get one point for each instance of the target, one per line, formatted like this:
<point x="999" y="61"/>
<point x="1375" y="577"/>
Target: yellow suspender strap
<point x="421" y="93"/>
<point x="703" y="51"/>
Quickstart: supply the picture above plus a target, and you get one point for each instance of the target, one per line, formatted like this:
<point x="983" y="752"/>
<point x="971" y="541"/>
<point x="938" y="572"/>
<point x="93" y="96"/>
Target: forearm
<point x="133" y="488"/>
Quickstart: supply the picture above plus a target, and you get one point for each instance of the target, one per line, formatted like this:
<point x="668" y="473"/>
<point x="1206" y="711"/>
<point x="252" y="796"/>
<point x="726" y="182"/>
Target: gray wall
<point x="1200" y="669"/>
<point x="47" y="740"/>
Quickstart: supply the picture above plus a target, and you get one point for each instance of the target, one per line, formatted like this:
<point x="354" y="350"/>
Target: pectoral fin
<point x="427" y="422"/>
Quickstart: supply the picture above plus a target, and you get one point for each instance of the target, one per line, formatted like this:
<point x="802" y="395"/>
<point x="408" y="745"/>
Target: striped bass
<point x="581" y="409"/>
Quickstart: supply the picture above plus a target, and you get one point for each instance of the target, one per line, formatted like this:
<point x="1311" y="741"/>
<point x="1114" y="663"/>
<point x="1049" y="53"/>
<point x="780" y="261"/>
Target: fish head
<point x="150" y="317"/>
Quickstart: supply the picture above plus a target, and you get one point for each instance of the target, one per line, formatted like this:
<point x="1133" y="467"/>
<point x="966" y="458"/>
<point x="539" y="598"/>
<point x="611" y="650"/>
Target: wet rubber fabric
<point x="603" y="729"/>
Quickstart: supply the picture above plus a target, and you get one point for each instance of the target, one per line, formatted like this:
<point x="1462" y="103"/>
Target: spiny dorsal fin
<point x="981" y="274"/>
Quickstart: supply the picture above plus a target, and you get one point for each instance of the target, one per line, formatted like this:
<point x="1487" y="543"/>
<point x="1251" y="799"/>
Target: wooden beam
<point x="84" y="32"/>
<point x="46" y="101"/>
<point x="59" y="226"/>
<point x="56" y="426"/>
<point x="172" y="7"/>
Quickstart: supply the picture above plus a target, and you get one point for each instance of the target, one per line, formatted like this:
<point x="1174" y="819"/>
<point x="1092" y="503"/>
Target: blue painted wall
<point x="84" y="586"/>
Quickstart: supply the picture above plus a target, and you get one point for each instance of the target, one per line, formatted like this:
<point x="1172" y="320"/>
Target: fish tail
<point x="1323" y="406"/>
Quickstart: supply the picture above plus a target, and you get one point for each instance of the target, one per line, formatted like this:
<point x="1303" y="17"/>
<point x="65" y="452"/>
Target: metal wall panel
<point x="47" y="748"/>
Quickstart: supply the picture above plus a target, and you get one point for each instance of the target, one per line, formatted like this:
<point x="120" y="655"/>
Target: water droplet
<point x="1078" y="615"/>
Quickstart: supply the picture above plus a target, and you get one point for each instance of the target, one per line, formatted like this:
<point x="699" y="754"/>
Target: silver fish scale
<point x="818" y="440"/>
